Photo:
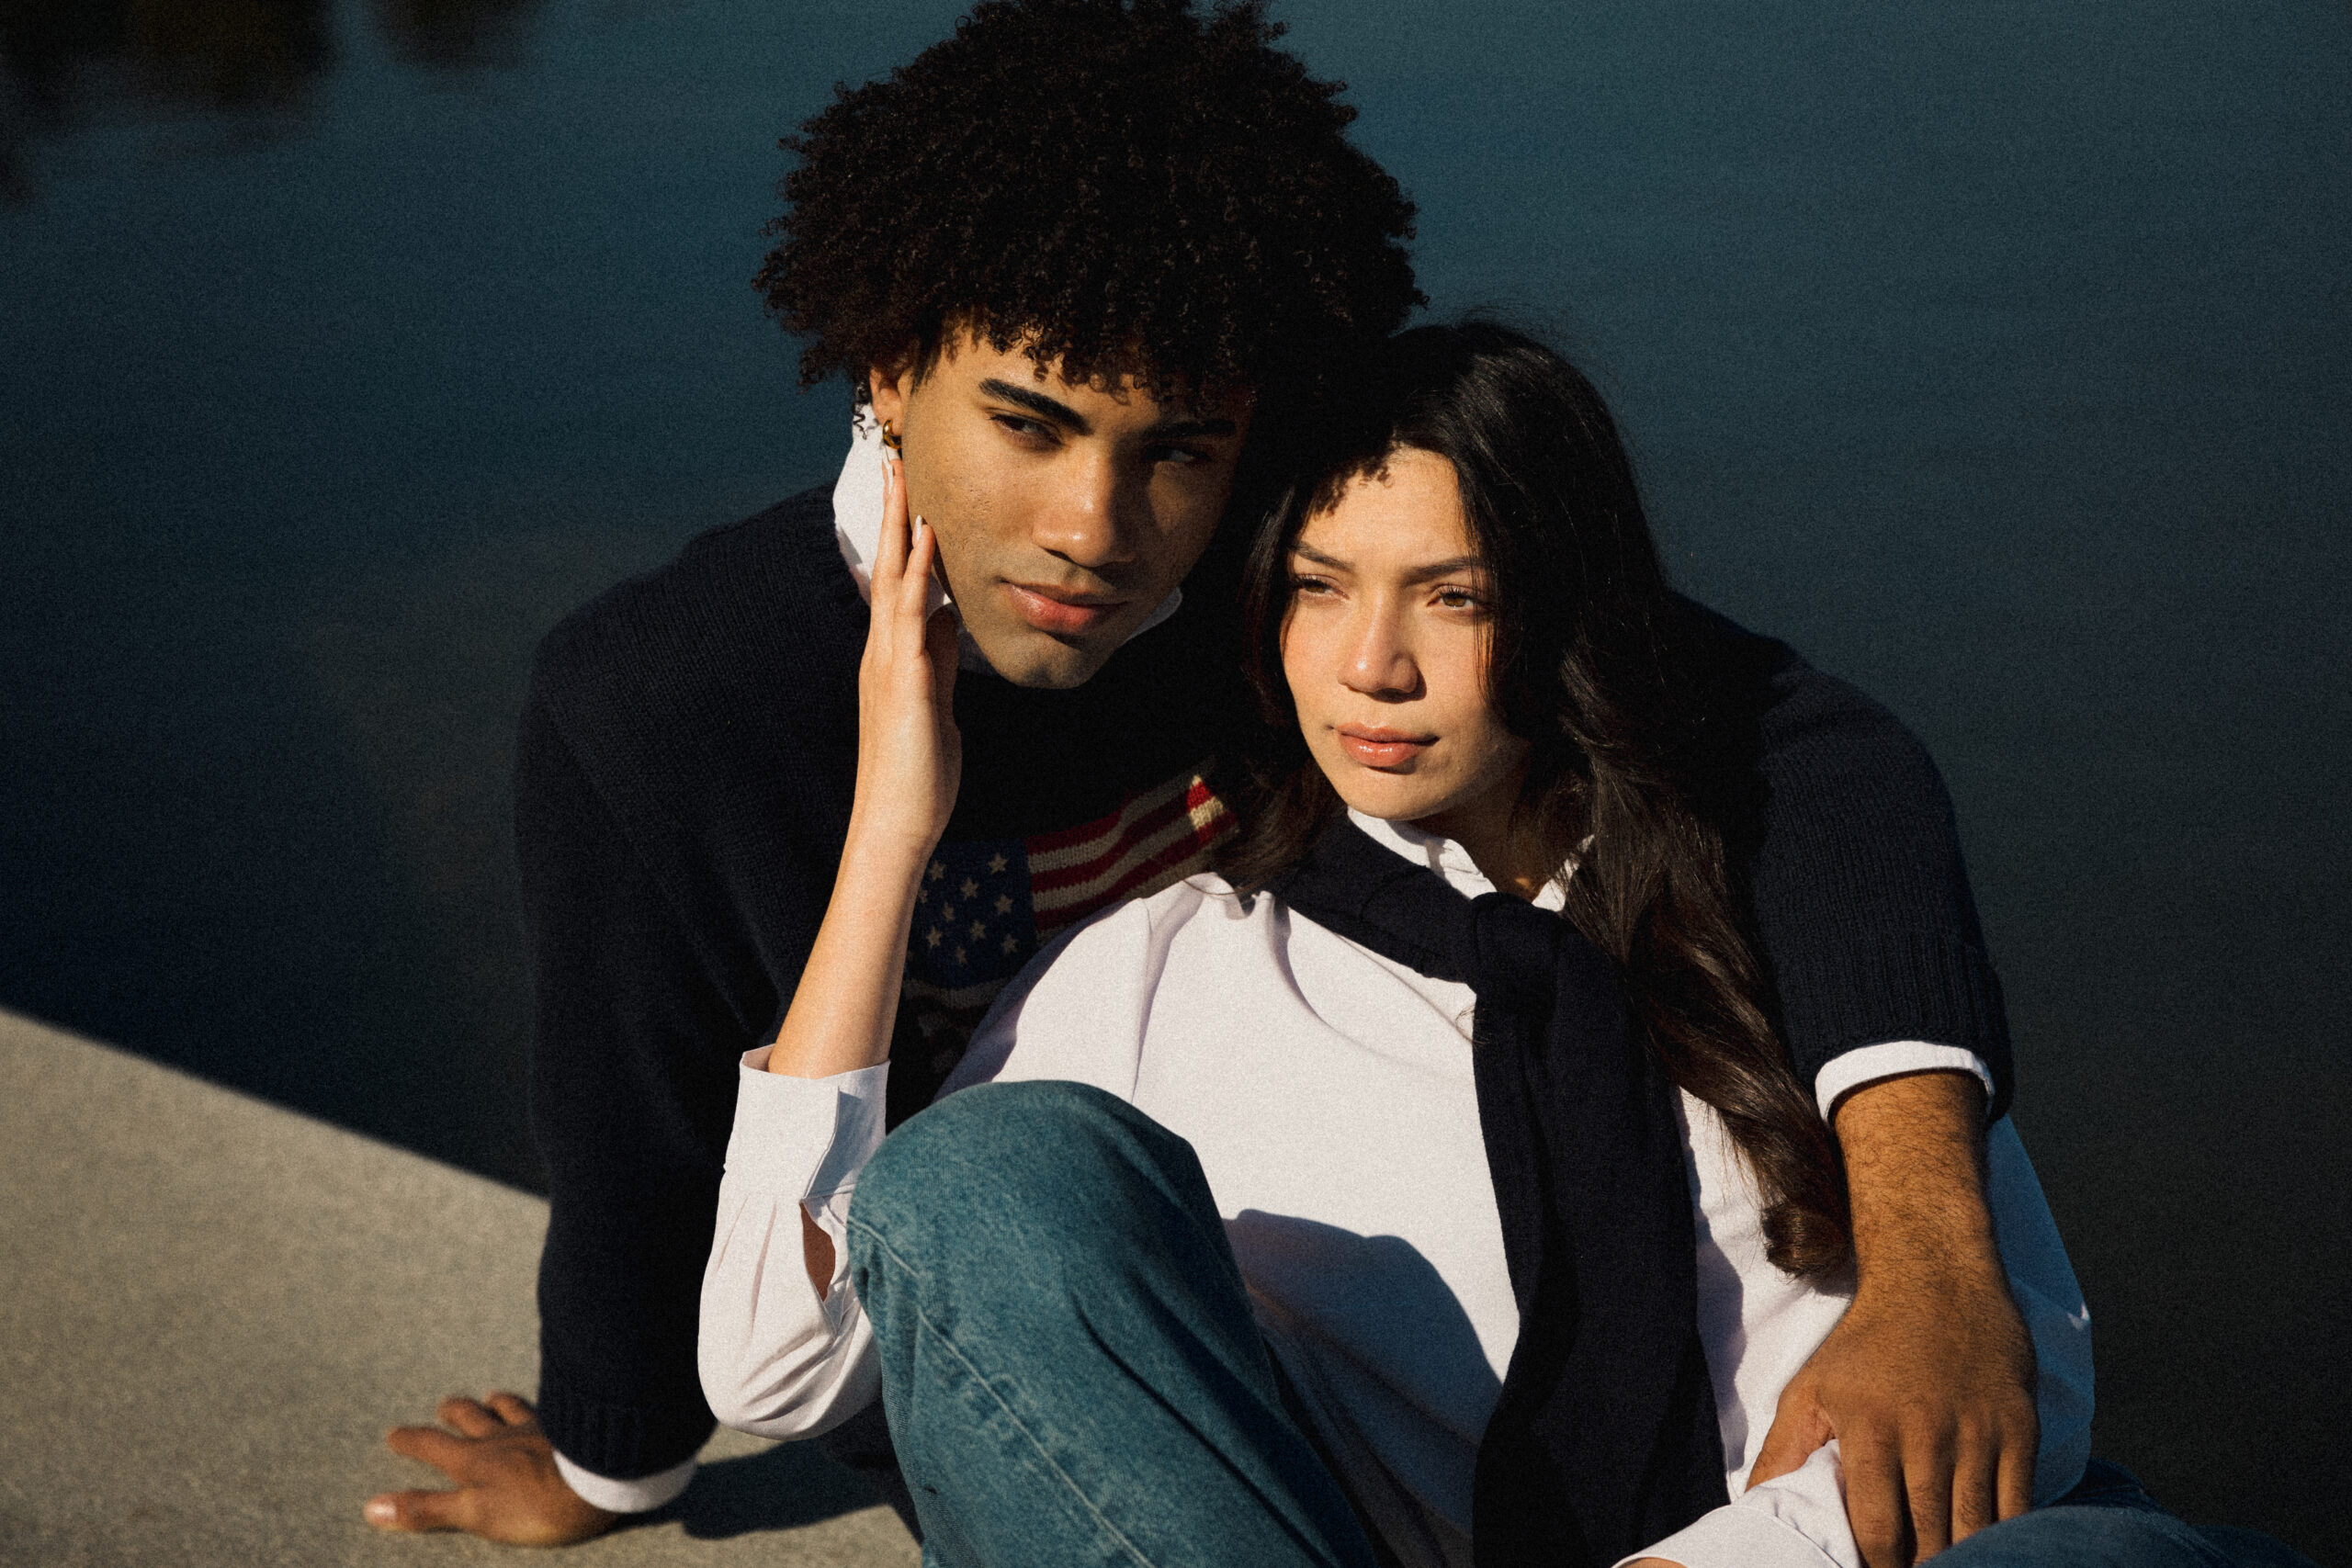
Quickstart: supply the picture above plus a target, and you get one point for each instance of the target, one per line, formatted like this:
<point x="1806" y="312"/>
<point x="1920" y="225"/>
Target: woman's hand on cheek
<point x="909" y="755"/>
<point x="909" y="761"/>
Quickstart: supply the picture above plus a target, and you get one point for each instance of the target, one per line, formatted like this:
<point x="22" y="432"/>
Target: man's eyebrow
<point x="1039" y="404"/>
<point x="1061" y="413"/>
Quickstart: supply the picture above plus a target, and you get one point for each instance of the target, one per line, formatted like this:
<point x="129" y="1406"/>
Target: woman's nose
<point x="1379" y="663"/>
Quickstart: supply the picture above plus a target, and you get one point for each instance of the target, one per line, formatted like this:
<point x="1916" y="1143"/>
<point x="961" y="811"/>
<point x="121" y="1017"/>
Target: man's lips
<point x="1381" y="748"/>
<point x="1059" y="611"/>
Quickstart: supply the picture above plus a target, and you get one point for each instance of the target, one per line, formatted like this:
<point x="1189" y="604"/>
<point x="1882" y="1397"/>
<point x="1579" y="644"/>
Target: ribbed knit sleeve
<point x="627" y="1108"/>
<point x="687" y="762"/>
<point x="682" y="780"/>
<point x="1860" y="899"/>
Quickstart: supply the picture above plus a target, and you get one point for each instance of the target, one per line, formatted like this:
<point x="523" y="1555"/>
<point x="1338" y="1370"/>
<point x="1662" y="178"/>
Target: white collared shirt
<point x="1329" y="1094"/>
<point x="857" y="524"/>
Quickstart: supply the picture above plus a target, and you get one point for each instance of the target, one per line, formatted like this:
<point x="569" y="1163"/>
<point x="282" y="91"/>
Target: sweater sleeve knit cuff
<point x="797" y="1138"/>
<point x="1899" y="986"/>
<point x="623" y="1442"/>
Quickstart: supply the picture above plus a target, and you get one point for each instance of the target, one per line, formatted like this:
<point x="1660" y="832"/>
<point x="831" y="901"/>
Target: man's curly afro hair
<point x="1123" y="187"/>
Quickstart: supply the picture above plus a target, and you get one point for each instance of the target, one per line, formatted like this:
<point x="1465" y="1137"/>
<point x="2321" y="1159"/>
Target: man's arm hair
<point x="1868" y="931"/>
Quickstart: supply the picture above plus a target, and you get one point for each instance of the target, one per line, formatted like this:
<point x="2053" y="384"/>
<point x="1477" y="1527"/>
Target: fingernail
<point x="921" y="524"/>
<point x="380" y="1510"/>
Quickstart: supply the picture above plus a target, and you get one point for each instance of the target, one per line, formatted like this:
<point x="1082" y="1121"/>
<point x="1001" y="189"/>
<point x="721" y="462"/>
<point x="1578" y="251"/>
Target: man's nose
<point x="1379" y="660"/>
<point x="1089" y="520"/>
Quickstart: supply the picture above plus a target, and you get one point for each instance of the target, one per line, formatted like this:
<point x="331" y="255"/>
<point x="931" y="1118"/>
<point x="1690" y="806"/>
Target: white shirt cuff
<point x="797" y="1138"/>
<point x="1797" y="1520"/>
<point x="1851" y="1071"/>
<point x="647" y="1492"/>
<point x="1738" y="1538"/>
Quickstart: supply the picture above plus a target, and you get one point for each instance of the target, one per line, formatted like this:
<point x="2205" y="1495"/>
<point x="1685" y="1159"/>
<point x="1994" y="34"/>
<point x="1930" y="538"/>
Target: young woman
<point x="1428" y="1189"/>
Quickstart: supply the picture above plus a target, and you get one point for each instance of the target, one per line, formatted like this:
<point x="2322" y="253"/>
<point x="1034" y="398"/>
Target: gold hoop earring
<point x="890" y="436"/>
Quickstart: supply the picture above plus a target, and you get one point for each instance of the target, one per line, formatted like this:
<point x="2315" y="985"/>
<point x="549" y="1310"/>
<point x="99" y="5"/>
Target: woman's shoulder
<point x="1078" y="1010"/>
<point x="1203" y="896"/>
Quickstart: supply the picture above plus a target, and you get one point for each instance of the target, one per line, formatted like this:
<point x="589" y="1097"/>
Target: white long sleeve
<point x="1759" y="1327"/>
<point x="1797" y="1520"/>
<point x="1330" y="1096"/>
<point x="775" y="1359"/>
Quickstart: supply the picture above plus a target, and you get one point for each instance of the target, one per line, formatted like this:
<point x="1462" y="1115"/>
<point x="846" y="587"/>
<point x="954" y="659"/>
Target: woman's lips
<point x="1060" y="615"/>
<point x="1383" y="748"/>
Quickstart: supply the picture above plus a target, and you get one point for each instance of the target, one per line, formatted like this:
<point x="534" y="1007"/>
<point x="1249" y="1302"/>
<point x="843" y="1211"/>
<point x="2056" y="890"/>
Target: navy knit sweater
<point x="683" y="785"/>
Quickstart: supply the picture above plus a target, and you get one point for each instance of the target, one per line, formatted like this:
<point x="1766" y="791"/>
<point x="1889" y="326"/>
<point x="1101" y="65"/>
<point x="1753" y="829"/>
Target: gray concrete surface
<point x="210" y="1309"/>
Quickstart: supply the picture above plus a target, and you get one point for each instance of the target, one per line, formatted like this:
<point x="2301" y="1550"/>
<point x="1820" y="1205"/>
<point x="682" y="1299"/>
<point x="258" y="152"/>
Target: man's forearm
<point x="1914" y="1171"/>
<point x="1929" y="1380"/>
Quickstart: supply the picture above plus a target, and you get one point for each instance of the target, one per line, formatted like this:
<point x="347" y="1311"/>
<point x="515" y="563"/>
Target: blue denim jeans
<point x="1073" y="1375"/>
<point x="2109" y="1521"/>
<point x="1068" y="1360"/>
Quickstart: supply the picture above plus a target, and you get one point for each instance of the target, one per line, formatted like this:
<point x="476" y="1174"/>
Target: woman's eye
<point x="1460" y="599"/>
<point x="1317" y="586"/>
<point x="1182" y="457"/>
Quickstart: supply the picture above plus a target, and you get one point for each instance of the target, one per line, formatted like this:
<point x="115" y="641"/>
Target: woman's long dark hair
<point x="1641" y="736"/>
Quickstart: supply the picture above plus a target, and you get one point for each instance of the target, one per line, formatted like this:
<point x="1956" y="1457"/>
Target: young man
<point x="1084" y="260"/>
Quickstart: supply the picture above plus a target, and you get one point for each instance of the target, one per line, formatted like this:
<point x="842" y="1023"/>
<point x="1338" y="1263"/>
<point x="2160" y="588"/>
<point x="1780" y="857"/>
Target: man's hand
<point x="1928" y="1382"/>
<point x="508" y="1487"/>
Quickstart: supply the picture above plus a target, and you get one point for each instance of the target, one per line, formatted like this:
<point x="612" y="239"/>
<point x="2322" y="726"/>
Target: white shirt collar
<point x="1450" y="860"/>
<point x="857" y="524"/>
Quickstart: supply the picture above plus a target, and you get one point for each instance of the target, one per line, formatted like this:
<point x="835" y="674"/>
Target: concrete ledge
<point x="210" y="1309"/>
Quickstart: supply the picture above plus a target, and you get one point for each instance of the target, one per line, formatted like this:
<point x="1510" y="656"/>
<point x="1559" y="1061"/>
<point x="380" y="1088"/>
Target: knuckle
<point x="1872" y="1428"/>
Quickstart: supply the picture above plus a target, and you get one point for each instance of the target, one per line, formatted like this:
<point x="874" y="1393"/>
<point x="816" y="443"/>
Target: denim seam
<point x="886" y="1250"/>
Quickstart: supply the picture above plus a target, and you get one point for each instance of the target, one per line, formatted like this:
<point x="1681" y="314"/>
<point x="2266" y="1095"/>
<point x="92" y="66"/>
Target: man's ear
<point x="888" y="390"/>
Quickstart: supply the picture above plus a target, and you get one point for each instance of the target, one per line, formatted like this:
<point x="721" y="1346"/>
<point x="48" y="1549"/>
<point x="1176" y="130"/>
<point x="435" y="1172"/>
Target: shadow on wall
<point x="65" y="63"/>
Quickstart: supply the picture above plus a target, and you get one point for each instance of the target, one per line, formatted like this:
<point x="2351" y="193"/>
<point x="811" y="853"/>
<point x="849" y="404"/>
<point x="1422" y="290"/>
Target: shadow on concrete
<point x="789" y="1485"/>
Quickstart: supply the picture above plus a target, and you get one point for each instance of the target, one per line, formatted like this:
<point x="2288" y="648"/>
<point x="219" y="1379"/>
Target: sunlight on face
<point x="1385" y="648"/>
<point x="1066" y="511"/>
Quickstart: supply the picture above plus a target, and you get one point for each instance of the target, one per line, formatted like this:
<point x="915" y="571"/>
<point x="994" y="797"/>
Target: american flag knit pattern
<point x="985" y="905"/>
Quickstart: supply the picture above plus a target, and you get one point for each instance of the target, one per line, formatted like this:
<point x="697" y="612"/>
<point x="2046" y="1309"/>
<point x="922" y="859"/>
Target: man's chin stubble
<point x="1053" y="667"/>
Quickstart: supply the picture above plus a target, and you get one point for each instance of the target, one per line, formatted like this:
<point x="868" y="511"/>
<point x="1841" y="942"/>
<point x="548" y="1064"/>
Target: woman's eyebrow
<point x="1445" y="567"/>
